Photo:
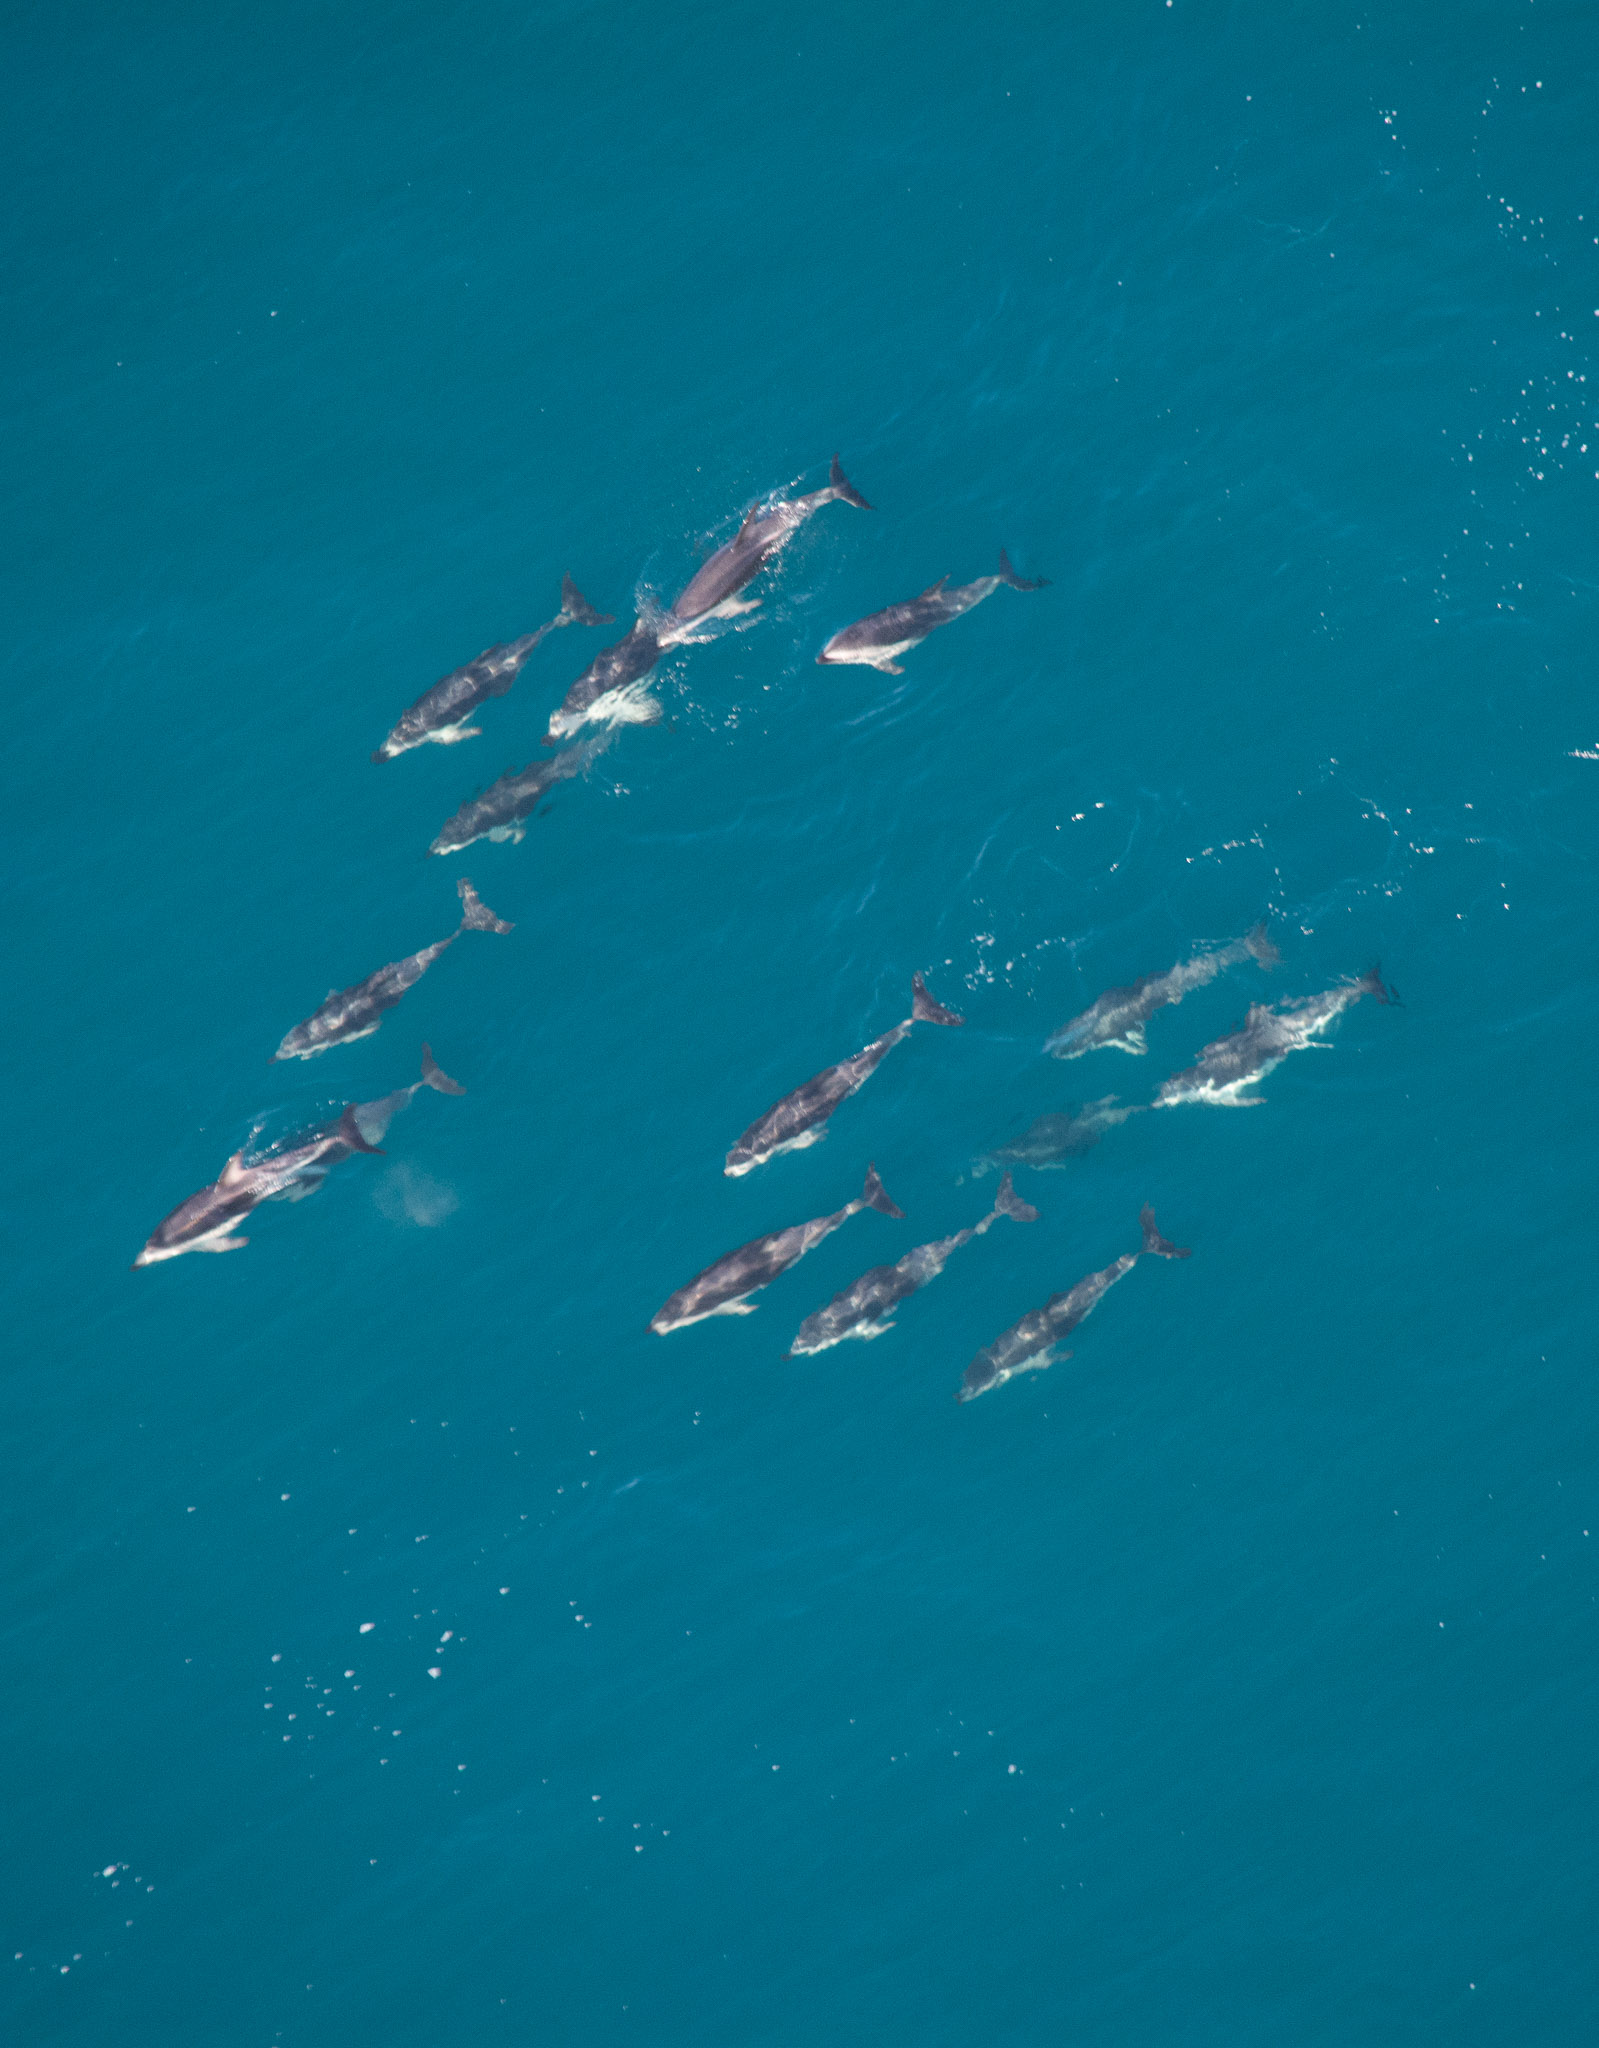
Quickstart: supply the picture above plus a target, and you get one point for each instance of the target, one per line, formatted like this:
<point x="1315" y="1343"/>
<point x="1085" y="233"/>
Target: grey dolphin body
<point x="866" y="1309"/>
<point x="356" y="1012"/>
<point x="875" y="641"/>
<point x="1229" y="1066"/>
<point x="608" y="692"/>
<point x="1052" y="1139"/>
<point x="441" y="713"/>
<point x="724" y="1288"/>
<point x="799" y="1119"/>
<point x="1029" y="1346"/>
<point x="1119" y="1016"/>
<point x="713" y="591"/>
<point x="502" y="811"/>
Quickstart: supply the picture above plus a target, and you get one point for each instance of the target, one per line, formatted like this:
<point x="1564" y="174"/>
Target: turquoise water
<point x="1231" y="1682"/>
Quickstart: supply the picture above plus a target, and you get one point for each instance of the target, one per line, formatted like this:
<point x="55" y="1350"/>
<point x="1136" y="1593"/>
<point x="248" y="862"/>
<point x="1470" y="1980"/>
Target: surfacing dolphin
<point x="875" y="641"/>
<point x="1119" y="1016"/>
<point x="441" y="713"/>
<point x="799" y="1119"/>
<point x="610" y="690"/>
<point x="362" y="1128"/>
<point x="866" y="1309"/>
<point x="724" y="1288"/>
<point x="1029" y="1346"/>
<point x="1228" y="1066"/>
<point x="356" y="1012"/>
<point x="503" y="809"/>
<point x="1052" y="1139"/>
<point x="713" y="592"/>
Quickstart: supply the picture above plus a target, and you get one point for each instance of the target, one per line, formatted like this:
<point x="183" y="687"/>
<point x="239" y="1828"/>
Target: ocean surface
<point x="401" y="1644"/>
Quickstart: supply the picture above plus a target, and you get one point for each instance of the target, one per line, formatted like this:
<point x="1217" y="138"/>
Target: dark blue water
<point x="1231" y="1682"/>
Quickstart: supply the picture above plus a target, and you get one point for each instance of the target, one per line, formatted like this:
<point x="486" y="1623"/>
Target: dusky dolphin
<point x="609" y="691"/>
<point x="724" y="1288"/>
<point x="799" y="1119"/>
<point x="1228" y="1066"/>
<point x="1119" y="1016"/>
<point x="362" y="1128"/>
<point x="503" y="809"/>
<point x="356" y="1012"/>
<point x="1052" y="1139"/>
<point x="866" y="1309"/>
<point x="441" y="713"/>
<point x="875" y="641"/>
<point x="1029" y="1346"/>
<point x="713" y="592"/>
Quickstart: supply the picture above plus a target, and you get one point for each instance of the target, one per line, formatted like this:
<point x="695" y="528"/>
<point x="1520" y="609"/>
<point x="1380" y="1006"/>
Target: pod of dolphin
<point x="613" y="691"/>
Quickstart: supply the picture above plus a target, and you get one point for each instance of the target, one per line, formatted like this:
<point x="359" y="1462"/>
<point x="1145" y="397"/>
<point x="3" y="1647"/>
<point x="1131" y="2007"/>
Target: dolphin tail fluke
<point x="924" y="1009"/>
<point x="876" y="1196"/>
<point x="1373" y="985"/>
<point x="352" y="1134"/>
<point x="1261" y="946"/>
<point x="843" y="488"/>
<point x="434" y="1076"/>
<point x="1008" y="575"/>
<point x="1162" y="1247"/>
<point x="476" y="915"/>
<point x="1008" y="1203"/>
<point x="576" y="609"/>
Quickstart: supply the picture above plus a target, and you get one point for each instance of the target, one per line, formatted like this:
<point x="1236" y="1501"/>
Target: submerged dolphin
<point x="608" y="691"/>
<point x="1052" y="1139"/>
<point x="713" y="591"/>
<point x="875" y="641"/>
<point x="356" y="1012"/>
<point x="798" y="1120"/>
<point x="503" y="809"/>
<point x="866" y="1309"/>
<point x="362" y="1128"/>
<point x="1228" y="1066"/>
<point x="724" y="1288"/>
<point x="1119" y="1016"/>
<point x="441" y="713"/>
<point x="1029" y="1346"/>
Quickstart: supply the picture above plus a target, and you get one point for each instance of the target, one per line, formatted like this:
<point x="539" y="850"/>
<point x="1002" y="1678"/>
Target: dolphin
<point x="1119" y="1016"/>
<point x="441" y="713"/>
<point x="875" y="641"/>
<point x="713" y="592"/>
<point x="1228" y="1066"/>
<point x="1052" y="1139"/>
<point x="608" y="692"/>
<point x="1029" y="1346"/>
<point x="503" y="809"/>
<point x="799" y="1119"/>
<point x="866" y="1309"/>
<point x="361" y="1128"/>
<point x="724" y="1288"/>
<point x="356" y="1012"/>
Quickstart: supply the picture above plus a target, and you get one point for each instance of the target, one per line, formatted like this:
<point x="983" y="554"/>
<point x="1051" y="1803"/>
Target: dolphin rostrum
<point x="724" y="1288"/>
<point x="356" y="1012"/>
<point x="441" y="713"/>
<point x="713" y="592"/>
<point x="503" y="809"/>
<point x="609" y="691"/>
<point x="1029" y="1346"/>
<point x="799" y="1119"/>
<point x="205" y="1222"/>
<point x="1228" y="1066"/>
<point x="866" y="1309"/>
<point x="1052" y="1139"/>
<point x="1119" y="1016"/>
<point x="875" y="641"/>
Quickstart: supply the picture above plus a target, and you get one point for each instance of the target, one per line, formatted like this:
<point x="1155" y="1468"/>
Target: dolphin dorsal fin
<point x="933" y="589"/>
<point x="755" y="512"/>
<point x="233" y="1172"/>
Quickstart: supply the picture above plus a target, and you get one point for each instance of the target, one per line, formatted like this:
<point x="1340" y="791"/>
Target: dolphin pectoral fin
<point x="888" y="668"/>
<point x="451" y="735"/>
<point x="221" y="1244"/>
<point x="741" y="1307"/>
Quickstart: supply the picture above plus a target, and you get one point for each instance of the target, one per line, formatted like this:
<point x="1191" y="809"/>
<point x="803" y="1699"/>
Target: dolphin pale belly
<point x="1052" y="1139"/>
<point x="876" y="641"/>
<point x="608" y="691"/>
<point x="1029" y="1346"/>
<point x="866" y="1309"/>
<point x="1229" y="1066"/>
<point x="440" y="714"/>
<point x="799" y="1119"/>
<point x="502" y="811"/>
<point x="356" y="1012"/>
<point x="766" y="530"/>
<point x="1119" y="1016"/>
<point x="724" y="1288"/>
